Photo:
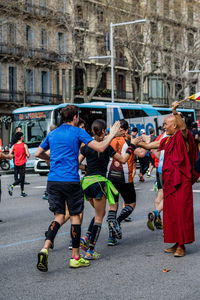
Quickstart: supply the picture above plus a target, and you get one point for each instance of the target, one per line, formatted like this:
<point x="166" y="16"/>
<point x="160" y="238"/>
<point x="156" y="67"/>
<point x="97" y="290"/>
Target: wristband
<point x="133" y="146"/>
<point x="130" y="149"/>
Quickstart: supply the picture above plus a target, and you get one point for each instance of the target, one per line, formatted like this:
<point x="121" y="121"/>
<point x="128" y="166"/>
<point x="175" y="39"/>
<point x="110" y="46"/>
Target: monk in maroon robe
<point x="178" y="176"/>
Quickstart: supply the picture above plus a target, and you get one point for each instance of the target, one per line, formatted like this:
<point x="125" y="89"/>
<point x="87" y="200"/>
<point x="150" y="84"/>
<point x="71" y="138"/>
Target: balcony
<point x="18" y="52"/>
<point x="7" y="96"/>
<point x="82" y="24"/>
<point x="105" y="93"/>
<point x="121" y="62"/>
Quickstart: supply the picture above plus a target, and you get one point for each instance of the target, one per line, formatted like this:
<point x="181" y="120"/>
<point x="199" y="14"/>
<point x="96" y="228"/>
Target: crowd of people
<point x="109" y="163"/>
<point x="110" y="168"/>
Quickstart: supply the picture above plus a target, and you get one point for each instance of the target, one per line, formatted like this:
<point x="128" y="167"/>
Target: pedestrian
<point x="3" y="156"/>
<point x="122" y="178"/>
<point x="64" y="182"/>
<point x="96" y="187"/>
<point x="154" y="217"/>
<point x="178" y="175"/>
<point x="14" y="140"/>
<point x="20" y="151"/>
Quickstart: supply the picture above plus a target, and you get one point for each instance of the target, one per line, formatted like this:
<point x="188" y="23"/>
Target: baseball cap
<point x="142" y="131"/>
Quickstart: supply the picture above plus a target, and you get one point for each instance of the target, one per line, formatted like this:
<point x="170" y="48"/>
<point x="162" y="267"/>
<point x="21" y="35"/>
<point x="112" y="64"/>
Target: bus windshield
<point x="35" y="126"/>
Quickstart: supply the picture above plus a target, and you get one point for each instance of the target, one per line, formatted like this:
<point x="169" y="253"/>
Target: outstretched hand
<point x="137" y="140"/>
<point x="115" y="129"/>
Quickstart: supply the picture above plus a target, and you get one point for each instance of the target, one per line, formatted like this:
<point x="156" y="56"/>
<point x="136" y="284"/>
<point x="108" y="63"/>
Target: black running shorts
<point x="127" y="191"/>
<point x="61" y="192"/>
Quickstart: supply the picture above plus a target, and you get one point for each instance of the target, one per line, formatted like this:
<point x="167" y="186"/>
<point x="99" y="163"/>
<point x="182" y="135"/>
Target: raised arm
<point x="180" y="121"/>
<point x="148" y="146"/>
<point x="5" y="156"/>
<point x="101" y="146"/>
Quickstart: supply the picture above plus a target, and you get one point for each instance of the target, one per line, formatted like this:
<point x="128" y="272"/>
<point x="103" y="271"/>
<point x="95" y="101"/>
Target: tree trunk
<point x="99" y="76"/>
<point x="73" y="83"/>
<point x="141" y="86"/>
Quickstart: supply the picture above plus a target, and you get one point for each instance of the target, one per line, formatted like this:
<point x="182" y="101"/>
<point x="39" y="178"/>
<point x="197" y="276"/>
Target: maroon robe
<point x="178" y="176"/>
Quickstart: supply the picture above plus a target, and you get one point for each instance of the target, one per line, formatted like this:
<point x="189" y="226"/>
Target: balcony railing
<point x="121" y="62"/>
<point x="158" y="101"/>
<point x="82" y="24"/>
<point x="105" y="93"/>
<point x="28" y="52"/>
<point x="30" y="98"/>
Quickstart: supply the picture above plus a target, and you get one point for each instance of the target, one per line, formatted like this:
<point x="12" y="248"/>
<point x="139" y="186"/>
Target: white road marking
<point x="39" y="187"/>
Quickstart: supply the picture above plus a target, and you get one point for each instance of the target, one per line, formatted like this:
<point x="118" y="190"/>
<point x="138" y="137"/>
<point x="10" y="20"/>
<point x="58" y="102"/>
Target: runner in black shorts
<point x="64" y="182"/>
<point x="95" y="186"/>
<point x="122" y="178"/>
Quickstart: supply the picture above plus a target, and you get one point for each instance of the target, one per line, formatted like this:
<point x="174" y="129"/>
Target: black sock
<point x="75" y="235"/>
<point x="89" y="231"/>
<point x="125" y="212"/>
<point x="95" y="234"/>
<point x="111" y="217"/>
<point x="52" y="231"/>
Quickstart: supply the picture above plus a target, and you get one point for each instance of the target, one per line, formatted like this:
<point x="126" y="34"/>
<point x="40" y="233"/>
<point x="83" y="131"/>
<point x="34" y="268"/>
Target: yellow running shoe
<point x="81" y="262"/>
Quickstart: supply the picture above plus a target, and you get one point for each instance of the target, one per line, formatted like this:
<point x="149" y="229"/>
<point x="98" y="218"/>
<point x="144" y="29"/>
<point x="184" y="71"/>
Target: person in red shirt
<point x="20" y="151"/>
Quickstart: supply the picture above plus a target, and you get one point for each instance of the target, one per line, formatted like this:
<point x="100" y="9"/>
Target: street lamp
<point x="111" y="56"/>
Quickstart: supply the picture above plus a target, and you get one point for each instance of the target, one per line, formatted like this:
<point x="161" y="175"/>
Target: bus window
<point x="164" y="112"/>
<point x="133" y="113"/>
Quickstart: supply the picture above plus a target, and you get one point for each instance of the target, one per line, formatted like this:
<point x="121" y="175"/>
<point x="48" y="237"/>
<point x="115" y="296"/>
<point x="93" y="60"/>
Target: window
<point x="153" y="32"/>
<point x="177" y="66"/>
<point x="43" y="7"/>
<point x="29" y="35"/>
<point x="61" y="42"/>
<point x="79" y="12"/>
<point x="177" y="9"/>
<point x="101" y="49"/>
<point x="61" y="5"/>
<point x="190" y="13"/>
<point x="57" y="82"/>
<point x="1" y="36"/>
<point x="133" y="113"/>
<point x="179" y="92"/>
<point x="64" y="83"/>
<point x="0" y="76"/>
<point x="121" y="86"/>
<point x="192" y="89"/>
<point x="154" y="61"/>
<point x="79" y="43"/>
<point x="45" y="83"/>
<point x="12" y="82"/>
<point x="100" y="16"/>
<point x="29" y="5"/>
<point x="43" y="39"/>
<point x="190" y="38"/>
<point x="11" y="33"/>
<point x="177" y="39"/>
<point x="157" y="88"/>
<point x="166" y="8"/>
<point x="166" y="35"/>
<point x="168" y="63"/>
<point x="103" y="82"/>
<point x="29" y="81"/>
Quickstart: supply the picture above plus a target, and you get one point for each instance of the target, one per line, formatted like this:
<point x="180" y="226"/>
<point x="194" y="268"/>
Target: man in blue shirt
<point x="64" y="182"/>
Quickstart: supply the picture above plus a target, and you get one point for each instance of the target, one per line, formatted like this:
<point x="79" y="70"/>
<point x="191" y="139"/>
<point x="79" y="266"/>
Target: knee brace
<point x="52" y="231"/>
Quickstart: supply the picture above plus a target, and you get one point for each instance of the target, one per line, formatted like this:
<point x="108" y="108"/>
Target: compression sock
<point x="89" y="231"/>
<point x="125" y="212"/>
<point x="94" y="236"/>
<point x="156" y="213"/>
<point x="52" y="231"/>
<point x="75" y="235"/>
<point x="111" y="217"/>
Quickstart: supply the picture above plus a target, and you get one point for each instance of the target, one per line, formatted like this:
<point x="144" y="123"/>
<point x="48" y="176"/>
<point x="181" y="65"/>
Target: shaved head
<point x="170" y="125"/>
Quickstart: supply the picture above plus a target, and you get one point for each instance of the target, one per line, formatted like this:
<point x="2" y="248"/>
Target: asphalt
<point x="131" y="270"/>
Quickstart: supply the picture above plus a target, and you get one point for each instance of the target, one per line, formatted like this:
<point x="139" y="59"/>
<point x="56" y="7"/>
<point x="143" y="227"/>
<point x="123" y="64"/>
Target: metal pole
<point x="112" y="63"/>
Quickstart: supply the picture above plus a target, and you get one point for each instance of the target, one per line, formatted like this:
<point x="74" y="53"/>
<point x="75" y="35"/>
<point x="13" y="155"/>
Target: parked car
<point x="41" y="167"/>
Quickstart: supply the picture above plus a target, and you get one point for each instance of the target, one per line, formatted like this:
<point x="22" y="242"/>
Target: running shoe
<point x="141" y="178"/>
<point x="81" y="262"/>
<point x="116" y="229"/>
<point x="158" y="222"/>
<point x="150" y="222"/>
<point x="112" y="242"/>
<point x="52" y="243"/>
<point x="23" y="194"/>
<point x="42" y="264"/>
<point x="84" y="243"/>
<point x="10" y="190"/>
<point x="155" y="186"/>
<point x="91" y="255"/>
<point x="70" y="245"/>
<point x="45" y="197"/>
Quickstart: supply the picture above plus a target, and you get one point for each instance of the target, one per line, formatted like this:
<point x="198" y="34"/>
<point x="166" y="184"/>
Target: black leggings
<point x="21" y="171"/>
